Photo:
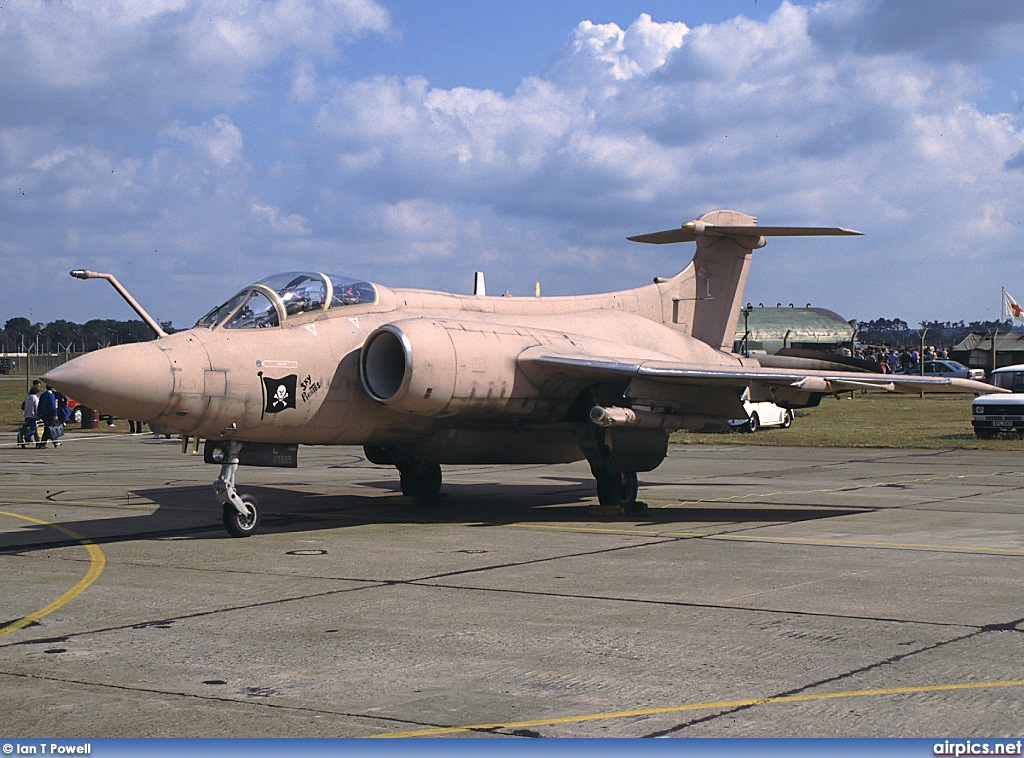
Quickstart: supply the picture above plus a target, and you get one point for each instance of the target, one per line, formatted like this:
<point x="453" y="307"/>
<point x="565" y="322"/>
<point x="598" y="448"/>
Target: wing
<point x="714" y="390"/>
<point x="702" y="374"/>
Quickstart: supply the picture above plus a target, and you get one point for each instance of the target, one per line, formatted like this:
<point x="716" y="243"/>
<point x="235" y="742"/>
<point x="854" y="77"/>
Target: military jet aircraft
<point x="422" y="378"/>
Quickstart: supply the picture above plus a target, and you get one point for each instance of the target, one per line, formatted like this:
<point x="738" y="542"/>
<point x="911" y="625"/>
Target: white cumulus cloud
<point x="224" y="137"/>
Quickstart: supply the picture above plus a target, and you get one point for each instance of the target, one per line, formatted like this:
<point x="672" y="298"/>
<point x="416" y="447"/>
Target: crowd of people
<point x="49" y="409"/>
<point x="891" y="360"/>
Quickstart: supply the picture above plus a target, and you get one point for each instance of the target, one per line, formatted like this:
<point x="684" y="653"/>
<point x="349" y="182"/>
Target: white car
<point x="762" y="414"/>
<point x="992" y="414"/>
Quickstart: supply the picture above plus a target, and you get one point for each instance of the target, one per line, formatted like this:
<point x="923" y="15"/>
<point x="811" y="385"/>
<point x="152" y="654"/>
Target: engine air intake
<point x="384" y="362"/>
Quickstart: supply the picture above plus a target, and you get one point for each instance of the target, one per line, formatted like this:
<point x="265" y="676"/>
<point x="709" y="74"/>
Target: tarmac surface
<point x="768" y="592"/>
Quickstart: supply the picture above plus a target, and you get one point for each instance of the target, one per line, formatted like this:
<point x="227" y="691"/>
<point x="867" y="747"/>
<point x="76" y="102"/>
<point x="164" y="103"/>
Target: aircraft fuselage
<point x="219" y="383"/>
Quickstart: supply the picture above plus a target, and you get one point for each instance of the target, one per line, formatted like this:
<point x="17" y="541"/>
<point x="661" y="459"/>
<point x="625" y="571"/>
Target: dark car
<point x="945" y="367"/>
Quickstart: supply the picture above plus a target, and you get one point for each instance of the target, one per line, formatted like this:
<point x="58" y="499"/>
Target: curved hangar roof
<point x="771" y="329"/>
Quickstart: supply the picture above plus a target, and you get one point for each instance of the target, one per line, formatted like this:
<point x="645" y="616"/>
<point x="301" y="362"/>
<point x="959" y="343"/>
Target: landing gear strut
<point x="241" y="513"/>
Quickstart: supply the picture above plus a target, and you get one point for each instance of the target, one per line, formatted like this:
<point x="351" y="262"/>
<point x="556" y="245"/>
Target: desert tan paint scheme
<point x="422" y="378"/>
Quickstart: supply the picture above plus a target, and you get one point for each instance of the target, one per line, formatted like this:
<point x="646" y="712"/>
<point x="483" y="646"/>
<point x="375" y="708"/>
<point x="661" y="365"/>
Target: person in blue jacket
<point x="48" y="414"/>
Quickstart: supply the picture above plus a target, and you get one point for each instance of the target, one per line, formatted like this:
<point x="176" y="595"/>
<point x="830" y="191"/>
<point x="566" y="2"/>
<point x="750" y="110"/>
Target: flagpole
<point x="1002" y="304"/>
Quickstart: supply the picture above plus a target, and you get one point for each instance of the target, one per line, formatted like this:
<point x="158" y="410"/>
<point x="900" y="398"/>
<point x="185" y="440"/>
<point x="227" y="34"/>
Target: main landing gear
<point x="615" y="454"/>
<point x="618" y="489"/>
<point x="241" y="513"/>
<point x="420" y="479"/>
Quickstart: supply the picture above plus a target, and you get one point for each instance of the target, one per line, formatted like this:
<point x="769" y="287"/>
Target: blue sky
<point x="192" y="146"/>
<point x="490" y="45"/>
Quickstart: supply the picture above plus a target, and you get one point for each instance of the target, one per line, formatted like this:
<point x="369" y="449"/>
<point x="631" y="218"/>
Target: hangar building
<point x="772" y="329"/>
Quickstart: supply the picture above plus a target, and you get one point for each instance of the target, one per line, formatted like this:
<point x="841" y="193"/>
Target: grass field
<point x="874" y="419"/>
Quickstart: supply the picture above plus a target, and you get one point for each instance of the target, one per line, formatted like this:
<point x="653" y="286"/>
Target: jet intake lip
<point x="385" y="362"/>
<point x="130" y="381"/>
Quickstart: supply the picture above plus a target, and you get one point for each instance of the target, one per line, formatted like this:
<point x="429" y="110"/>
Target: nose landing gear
<point x="241" y="513"/>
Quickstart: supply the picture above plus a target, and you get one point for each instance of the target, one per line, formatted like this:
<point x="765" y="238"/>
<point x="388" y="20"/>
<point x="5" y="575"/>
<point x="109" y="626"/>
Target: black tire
<point x="787" y="419"/>
<point x="618" y="488"/>
<point x="236" y="524"/>
<point x="421" y="481"/>
<point x="754" y="423"/>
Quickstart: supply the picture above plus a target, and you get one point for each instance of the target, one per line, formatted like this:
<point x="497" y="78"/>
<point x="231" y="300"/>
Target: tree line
<point x="898" y="333"/>
<point x="20" y="335"/>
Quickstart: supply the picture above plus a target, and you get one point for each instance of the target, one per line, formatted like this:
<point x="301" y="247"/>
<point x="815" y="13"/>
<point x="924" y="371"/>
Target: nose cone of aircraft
<point x="130" y="381"/>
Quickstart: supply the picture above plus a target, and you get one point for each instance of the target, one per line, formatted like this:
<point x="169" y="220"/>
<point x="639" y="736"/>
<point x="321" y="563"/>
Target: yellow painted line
<point x="97" y="562"/>
<point x="705" y="706"/>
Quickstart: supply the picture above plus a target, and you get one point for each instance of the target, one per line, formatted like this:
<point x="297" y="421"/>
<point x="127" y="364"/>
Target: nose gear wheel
<point x="242" y="525"/>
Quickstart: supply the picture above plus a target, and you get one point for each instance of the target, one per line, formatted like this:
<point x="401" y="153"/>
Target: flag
<point x="280" y="393"/>
<point x="1012" y="309"/>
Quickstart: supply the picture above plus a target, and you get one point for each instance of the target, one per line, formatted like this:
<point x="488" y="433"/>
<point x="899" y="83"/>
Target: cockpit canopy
<point x="271" y="301"/>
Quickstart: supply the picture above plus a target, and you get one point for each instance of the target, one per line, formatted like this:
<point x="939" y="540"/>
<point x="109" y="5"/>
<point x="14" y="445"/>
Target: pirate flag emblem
<point x="279" y="394"/>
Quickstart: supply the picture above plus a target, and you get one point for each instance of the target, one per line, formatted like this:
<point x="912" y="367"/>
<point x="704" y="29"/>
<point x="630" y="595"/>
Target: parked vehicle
<point x="946" y="367"/>
<point x="993" y="414"/>
<point x="76" y="411"/>
<point x="762" y="414"/>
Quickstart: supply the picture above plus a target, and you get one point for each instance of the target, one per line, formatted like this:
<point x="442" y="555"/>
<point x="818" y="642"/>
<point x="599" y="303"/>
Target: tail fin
<point x="707" y="296"/>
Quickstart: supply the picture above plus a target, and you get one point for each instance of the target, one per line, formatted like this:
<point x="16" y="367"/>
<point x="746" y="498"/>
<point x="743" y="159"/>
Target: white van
<point x="992" y="414"/>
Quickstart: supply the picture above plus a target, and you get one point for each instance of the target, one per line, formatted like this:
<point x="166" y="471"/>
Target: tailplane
<point x="705" y="299"/>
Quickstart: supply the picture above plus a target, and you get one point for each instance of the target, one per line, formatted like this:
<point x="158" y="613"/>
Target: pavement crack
<point x="249" y="698"/>
<point x="891" y="660"/>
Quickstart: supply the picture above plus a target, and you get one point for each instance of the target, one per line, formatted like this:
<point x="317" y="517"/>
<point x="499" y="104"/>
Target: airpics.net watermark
<point x="958" y="748"/>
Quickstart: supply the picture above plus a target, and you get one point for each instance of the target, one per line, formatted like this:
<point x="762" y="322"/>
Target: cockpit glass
<point x="351" y="292"/>
<point x="272" y="300"/>
<point x="221" y="311"/>
<point x="304" y="293"/>
<point x="257" y="311"/>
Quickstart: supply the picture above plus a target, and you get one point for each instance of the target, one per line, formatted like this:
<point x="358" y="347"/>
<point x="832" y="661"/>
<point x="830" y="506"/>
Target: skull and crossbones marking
<point x="280" y="398"/>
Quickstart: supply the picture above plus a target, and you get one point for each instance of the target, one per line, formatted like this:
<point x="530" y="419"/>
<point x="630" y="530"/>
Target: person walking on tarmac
<point x="48" y="414"/>
<point x="29" y="432"/>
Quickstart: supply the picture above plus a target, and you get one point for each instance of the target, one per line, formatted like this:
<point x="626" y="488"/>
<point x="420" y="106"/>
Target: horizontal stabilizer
<point x="689" y="232"/>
